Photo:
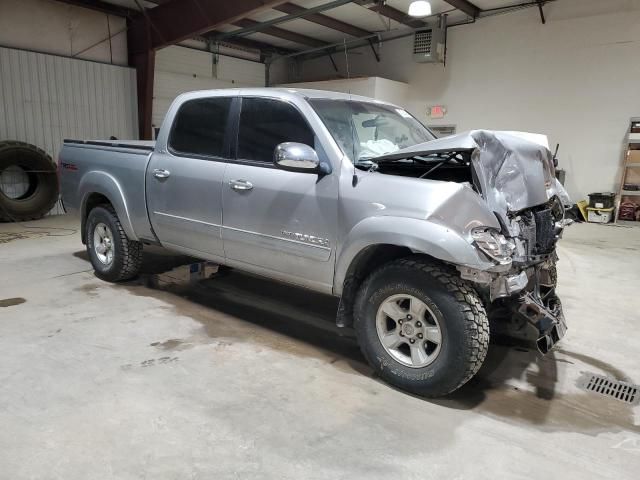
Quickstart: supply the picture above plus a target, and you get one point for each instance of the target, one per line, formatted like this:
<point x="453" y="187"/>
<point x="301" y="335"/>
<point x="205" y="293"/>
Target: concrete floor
<point x="241" y="378"/>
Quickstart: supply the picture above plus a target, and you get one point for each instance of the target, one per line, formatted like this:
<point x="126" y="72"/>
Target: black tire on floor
<point x="41" y="192"/>
<point x="457" y="308"/>
<point x="127" y="254"/>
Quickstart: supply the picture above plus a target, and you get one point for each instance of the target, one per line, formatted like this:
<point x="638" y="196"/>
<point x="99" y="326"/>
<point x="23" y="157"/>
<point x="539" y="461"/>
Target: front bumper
<point x="541" y="320"/>
<point x="522" y="304"/>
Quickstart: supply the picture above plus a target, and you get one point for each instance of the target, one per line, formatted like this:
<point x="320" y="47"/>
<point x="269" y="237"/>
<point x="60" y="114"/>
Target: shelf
<point x="632" y="193"/>
<point x="632" y="165"/>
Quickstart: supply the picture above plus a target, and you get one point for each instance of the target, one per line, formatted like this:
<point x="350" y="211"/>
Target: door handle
<point x="240" y="185"/>
<point x="161" y="173"/>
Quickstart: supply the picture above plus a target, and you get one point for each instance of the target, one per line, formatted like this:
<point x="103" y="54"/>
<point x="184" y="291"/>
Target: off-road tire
<point x="460" y="314"/>
<point x="43" y="191"/>
<point x="127" y="254"/>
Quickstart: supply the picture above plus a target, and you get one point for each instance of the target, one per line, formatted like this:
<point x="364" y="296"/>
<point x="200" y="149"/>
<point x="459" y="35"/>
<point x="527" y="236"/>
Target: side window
<point x="200" y="125"/>
<point x="264" y="123"/>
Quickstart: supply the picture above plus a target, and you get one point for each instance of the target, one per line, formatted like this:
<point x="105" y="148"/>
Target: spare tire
<point x="28" y="182"/>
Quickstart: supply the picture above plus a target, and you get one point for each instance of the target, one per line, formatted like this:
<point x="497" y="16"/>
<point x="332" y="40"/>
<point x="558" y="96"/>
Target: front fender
<point x="105" y="184"/>
<point x="421" y="236"/>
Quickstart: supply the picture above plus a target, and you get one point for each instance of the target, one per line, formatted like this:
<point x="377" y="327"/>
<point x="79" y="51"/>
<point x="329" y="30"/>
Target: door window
<point x="264" y="123"/>
<point x="199" y="127"/>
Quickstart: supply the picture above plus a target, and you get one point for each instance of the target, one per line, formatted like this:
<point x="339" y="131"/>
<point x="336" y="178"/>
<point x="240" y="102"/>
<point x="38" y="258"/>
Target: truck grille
<point x="538" y="230"/>
<point x="545" y="231"/>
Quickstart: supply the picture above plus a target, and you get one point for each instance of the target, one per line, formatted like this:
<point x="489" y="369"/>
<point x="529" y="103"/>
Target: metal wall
<point x="46" y="98"/>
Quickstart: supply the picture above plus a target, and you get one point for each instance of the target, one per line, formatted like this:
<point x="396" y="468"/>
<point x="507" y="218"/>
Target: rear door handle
<point x="161" y="173"/>
<point x="240" y="185"/>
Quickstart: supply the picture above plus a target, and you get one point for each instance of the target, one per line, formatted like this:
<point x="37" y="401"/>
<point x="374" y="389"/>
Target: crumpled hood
<point x="515" y="169"/>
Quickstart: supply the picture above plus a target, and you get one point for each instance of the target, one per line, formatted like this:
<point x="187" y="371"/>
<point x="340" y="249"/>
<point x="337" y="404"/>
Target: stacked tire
<point x="28" y="182"/>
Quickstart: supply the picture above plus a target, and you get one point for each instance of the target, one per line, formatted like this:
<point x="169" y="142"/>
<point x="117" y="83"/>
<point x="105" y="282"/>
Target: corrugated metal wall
<point x="46" y="98"/>
<point x="180" y="69"/>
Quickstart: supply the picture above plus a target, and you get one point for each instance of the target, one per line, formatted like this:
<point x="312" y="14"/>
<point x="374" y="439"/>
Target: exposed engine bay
<point x="445" y="166"/>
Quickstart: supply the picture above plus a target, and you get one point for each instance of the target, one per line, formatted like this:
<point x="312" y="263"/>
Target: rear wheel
<point x="114" y="257"/>
<point x="421" y="327"/>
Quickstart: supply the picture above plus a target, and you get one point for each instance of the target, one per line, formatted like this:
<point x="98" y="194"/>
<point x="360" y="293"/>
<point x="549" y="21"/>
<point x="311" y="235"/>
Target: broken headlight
<point x="494" y="244"/>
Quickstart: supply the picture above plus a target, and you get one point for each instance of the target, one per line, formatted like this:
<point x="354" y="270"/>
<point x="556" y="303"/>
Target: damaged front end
<point x="521" y="293"/>
<point x="514" y="174"/>
<point x="521" y="300"/>
<point x="522" y="303"/>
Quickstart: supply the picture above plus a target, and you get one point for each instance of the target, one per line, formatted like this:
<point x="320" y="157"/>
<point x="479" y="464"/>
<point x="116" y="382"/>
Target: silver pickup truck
<point x="426" y="241"/>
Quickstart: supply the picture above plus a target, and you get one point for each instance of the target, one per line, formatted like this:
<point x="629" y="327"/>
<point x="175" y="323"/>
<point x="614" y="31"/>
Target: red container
<point x="627" y="211"/>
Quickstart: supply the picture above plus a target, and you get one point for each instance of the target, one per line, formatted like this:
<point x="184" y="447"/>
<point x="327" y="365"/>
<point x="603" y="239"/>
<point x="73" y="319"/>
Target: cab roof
<point x="287" y="92"/>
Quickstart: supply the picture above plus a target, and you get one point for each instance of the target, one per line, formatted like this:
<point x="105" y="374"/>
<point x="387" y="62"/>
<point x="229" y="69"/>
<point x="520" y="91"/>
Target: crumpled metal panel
<point x="515" y="169"/>
<point x="514" y="173"/>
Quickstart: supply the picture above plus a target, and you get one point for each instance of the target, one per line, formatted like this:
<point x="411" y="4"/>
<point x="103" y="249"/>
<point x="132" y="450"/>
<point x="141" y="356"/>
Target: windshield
<point x="366" y="130"/>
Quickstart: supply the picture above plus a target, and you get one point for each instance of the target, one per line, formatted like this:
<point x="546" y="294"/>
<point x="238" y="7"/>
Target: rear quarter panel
<point x="118" y="173"/>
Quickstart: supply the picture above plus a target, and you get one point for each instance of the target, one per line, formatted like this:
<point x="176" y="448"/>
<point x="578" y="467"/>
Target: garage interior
<point x="236" y="376"/>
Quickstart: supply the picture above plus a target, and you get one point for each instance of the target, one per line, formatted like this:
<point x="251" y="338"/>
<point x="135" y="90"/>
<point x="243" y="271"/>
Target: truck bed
<point x="148" y="145"/>
<point x="114" y="168"/>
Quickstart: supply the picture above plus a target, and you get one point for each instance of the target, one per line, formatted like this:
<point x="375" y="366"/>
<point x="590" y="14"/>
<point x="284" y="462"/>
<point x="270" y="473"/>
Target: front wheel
<point x="114" y="257"/>
<point x="421" y="327"/>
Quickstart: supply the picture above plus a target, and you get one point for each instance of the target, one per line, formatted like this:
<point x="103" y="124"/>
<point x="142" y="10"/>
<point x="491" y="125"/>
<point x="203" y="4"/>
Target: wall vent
<point x="422" y="42"/>
<point x="429" y="45"/>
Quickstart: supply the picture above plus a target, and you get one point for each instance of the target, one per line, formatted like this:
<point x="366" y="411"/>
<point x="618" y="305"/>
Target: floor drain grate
<point x="623" y="391"/>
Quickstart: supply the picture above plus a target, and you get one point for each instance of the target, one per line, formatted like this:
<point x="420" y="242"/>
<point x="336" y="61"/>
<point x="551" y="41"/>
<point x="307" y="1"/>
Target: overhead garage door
<point x="182" y="69"/>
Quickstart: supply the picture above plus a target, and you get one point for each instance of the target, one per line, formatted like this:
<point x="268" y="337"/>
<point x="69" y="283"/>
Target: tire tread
<point x="4" y="216"/>
<point x="477" y="323"/>
<point x="131" y="249"/>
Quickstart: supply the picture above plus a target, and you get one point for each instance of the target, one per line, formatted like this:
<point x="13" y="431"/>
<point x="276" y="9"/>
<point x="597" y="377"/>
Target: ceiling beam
<point x="242" y="43"/>
<point x="104" y="7"/>
<point x="324" y="20"/>
<point x="283" y="19"/>
<point x="247" y="43"/>
<point x="281" y="33"/>
<point x="465" y="6"/>
<point x="178" y="20"/>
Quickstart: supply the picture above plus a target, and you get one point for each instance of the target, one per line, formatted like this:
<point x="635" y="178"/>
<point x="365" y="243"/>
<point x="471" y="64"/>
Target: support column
<point x="144" y="63"/>
<point x="142" y="58"/>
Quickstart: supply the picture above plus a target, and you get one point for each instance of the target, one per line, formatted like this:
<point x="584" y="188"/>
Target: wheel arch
<point x="98" y="188"/>
<point x="378" y="240"/>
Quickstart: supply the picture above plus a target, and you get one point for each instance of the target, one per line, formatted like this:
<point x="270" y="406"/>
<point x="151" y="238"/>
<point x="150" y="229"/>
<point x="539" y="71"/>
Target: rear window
<point x="199" y="127"/>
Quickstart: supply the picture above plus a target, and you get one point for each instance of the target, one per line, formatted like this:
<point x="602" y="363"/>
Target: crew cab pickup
<point x="426" y="241"/>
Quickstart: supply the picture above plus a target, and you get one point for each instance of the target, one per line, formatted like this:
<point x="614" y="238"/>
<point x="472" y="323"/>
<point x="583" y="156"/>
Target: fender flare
<point x="105" y="184"/>
<point x="420" y="236"/>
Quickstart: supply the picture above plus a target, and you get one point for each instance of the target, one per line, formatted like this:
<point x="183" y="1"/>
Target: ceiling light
<point x="419" y="9"/>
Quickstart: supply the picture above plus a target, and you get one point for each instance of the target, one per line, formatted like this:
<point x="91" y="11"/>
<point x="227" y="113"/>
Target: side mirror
<point x="296" y="157"/>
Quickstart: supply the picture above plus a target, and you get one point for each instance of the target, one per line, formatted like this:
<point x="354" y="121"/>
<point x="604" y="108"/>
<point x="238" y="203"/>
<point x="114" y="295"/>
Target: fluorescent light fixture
<point x="419" y="9"/>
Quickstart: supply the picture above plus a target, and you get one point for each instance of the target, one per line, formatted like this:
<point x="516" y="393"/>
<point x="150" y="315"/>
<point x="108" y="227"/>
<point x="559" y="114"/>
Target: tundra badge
<point x="303" y="237"/>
